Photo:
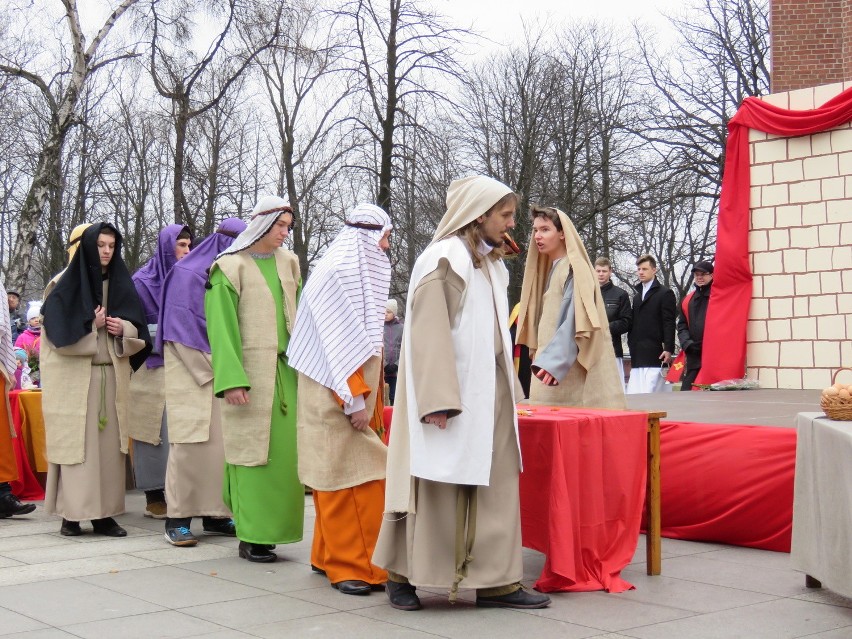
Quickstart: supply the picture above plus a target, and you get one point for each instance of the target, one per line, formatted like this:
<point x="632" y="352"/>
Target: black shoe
<point x="319" y="571"/>
<point x="108" y="527"/>
<point x="256" y="552"/>
<point x="519" y="599"/>
<point x="70" y="528"/>
<point x="219" y="526"/>
<point x="403" y="596"/>
<point x="353" y="587"/>
<point x="10" y="506"/>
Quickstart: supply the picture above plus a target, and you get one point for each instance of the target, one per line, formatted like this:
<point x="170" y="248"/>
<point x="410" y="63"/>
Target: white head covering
<point x="264" y="214"/>
<point x="34" y="309"/>
<point x="467" y="199"/>
<point x="7" y="355"/>
<point x="341" y="316"/>
<point x="392" y="306"/>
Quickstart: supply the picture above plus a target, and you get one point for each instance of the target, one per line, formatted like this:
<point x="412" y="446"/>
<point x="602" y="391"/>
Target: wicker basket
<point x="835" y="407"/>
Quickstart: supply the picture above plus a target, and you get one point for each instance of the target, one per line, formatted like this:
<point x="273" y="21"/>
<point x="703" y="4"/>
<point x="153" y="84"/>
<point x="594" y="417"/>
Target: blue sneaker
<point x="180" y="536"/>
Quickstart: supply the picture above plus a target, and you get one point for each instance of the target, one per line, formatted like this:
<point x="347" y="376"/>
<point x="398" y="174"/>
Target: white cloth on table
<point x="647" y="380"/>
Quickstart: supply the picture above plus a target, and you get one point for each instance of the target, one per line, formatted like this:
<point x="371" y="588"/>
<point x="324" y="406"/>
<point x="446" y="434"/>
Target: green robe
<point x="268" y="501"/>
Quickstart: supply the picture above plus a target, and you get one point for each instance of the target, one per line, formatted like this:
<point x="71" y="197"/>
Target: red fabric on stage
<point x="26" y="486"/>
<point x="727" y="312"/>
<point x="728" y="483"/>
<point x="582" y="492"/>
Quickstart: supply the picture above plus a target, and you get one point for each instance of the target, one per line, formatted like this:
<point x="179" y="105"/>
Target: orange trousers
<point x="346" y="530"/>
<point x="8" y="465"/>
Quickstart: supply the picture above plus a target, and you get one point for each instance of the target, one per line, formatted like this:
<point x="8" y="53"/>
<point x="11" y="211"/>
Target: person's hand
<point x="437" y="419"/>
<point x="237" y="396"/>
<point x="100" y="317"/>
<point x="546" y="378"/>
<point x="666" y="357"/>
<point x="360" y="420"/>
<point x="115" y="326"/>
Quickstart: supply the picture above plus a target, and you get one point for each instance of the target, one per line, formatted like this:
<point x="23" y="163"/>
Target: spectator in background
<point x="16" y="316"/>
<point x="393" y="343"/>
<point x="651" y="337"/>
<point x="618" y="310"/>
<point x="30" y="339"/>
<point x="9" y="504"/>
<point x="690" y="323"/>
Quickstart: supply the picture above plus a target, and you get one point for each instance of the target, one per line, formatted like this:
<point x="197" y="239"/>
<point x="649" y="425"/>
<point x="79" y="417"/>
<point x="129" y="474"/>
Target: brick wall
<point x="800" y="246"/>
<point x="811" y="43"/>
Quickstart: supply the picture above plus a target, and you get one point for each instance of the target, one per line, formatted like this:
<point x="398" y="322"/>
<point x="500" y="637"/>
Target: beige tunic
<point x="196" y="451"/>
<point x="332" y="454"/>
<point x="422" y="546"/>
<point x="246" y="432"/>
<point x="86" y="476"/>
<point x="148" y="394"/>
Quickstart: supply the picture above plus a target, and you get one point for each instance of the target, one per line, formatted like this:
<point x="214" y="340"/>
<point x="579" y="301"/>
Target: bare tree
<point x="195" y="83"/>
<point x="402" y="51"/>
<point x="60" y="95"/>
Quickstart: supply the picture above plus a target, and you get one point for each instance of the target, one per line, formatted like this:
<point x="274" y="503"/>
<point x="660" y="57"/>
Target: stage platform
<point x="727" y="463"/>
<point x="764" y="407"/>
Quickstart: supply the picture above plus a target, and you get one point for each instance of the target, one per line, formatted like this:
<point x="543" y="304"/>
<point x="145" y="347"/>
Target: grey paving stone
<point x="46" y="633"/>
<point x="23" y="542"/>
<point x="5" y="562"/>
<point x="607" y="612"/>
<point x="338" y="624"/>
<point x="768" y="580"/>
<point x="464" y="621"/>
<point x="166" y="554"/>
<point x="72" y="568"/>
<point x="14" y="622"/>
<point x="778" y="619"/>
<point x="157" y="625"/>
<point x="68" y="601"/>
<point x="65" y="552"/>
<point x="172" y="587"/>
<point x="280" y="576"/>
<point x="687" y="595"/>
<point x="325" y="595"/>
<point x="243" y="614"/>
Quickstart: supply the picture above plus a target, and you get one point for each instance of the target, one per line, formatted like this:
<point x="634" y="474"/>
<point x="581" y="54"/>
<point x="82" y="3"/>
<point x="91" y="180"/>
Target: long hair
<point x="472" y="234"/>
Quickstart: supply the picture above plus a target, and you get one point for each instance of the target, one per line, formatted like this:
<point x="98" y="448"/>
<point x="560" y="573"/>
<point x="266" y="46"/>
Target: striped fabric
<point x="340" y="319"/>
<point x="264" y="214"/>
<point x="7" y="353"/>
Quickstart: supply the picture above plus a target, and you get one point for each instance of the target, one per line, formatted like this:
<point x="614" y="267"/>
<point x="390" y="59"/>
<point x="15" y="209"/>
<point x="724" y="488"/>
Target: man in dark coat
<point x="690" y="322"/>
<point x="651" y="338"/>
<point x="618" y="309"/>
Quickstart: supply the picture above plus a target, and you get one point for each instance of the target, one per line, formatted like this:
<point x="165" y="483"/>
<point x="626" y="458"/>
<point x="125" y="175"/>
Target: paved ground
<point x="53" y="587"/>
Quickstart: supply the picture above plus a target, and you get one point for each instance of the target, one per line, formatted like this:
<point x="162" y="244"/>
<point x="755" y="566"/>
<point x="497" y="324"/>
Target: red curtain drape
<point x="724" y="346"/>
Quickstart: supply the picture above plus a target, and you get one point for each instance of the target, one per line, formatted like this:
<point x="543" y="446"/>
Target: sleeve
<point x="196" y="362"/>
<point x="683" y="331"/>
<point x="221" y="303"/>
<point x="561" y="352"/>
<point x="433" y="361"/>
<point x="359" y="389"/>
<point x="621" y="324"/>
<point x="129" y="343"/>
<point x="669" y="313"/>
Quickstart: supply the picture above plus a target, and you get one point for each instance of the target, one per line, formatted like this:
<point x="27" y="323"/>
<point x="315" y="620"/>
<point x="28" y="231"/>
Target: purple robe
<point x="149" y="280"/>
<point x="182" y="317"/>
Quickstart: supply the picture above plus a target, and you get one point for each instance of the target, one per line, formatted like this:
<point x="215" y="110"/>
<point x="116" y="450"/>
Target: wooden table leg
<point x="653" y="543"/>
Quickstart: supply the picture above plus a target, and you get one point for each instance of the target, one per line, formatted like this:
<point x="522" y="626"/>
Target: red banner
<point x="727" y="313"/>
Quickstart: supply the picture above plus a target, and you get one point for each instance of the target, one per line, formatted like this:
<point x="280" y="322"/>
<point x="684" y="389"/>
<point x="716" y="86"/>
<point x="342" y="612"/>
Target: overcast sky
<point x="500" y="20"/>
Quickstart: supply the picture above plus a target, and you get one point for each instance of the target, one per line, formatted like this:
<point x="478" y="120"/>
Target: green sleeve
<point x="223" y="330"/>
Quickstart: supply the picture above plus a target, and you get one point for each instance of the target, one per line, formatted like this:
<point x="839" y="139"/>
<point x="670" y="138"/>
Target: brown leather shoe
<point x="156" y="510"/>
<point x="353" y="587"/>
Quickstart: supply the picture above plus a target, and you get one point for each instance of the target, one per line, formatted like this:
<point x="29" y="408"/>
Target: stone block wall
<point x="800" y="247"/>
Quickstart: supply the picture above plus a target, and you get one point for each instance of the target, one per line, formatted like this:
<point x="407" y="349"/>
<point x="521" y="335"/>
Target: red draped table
<point x="582" y="494"/>
<point x="29" y="444"/>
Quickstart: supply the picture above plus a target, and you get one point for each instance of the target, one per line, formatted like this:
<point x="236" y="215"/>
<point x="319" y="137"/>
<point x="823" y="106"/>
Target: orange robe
<point x="348" y="520"/>
<point x="8" y="465"/>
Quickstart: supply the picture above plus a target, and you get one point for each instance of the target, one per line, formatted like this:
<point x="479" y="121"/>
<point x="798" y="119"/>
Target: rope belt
<point x="465" y="535"/>
<point x="102" y="410"/>
<point x="281" y="386"/>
